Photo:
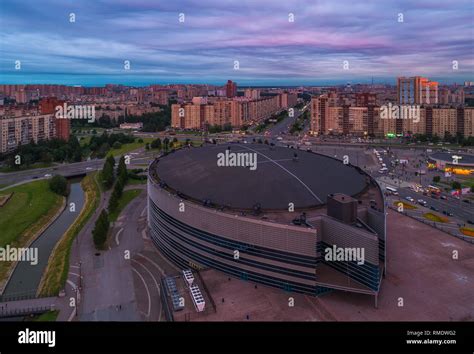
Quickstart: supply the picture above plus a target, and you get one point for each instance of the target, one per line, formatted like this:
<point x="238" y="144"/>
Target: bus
<point x="434" y="191"/>
<point x="391" y="190"/>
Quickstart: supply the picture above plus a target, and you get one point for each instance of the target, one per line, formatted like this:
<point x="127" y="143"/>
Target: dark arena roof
<point x="467" y="160"/>
<point x="279" y="178"/>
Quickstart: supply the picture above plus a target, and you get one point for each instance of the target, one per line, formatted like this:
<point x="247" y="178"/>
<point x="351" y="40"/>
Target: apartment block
<point x="417" y="90"/>
<point x="16" y="131"/>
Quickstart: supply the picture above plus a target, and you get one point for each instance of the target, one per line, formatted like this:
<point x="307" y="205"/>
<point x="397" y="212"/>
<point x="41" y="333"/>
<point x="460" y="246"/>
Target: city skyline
<point x="270" y="49"/>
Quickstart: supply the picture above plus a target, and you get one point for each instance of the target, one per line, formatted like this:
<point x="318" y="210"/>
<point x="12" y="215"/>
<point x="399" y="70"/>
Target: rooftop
<point x="280" y="176"/>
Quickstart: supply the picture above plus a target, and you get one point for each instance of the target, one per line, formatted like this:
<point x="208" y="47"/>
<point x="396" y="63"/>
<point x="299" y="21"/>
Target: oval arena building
<point x="286" y="218"/>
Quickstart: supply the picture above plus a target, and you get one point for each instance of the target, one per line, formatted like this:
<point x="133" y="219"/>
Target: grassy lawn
<point x="434" y="217"/>
<point x="468" y="231"/>
<point x="55" y="276"/>
<point x="126" y="148"/>
<point x="132" y="181"/>
<point x="405" y="205"/>
<point x="30" y="208"/>
<point x="7" y="169"/>
<point x="49" y="316"/>
<point x="126" y="198"/>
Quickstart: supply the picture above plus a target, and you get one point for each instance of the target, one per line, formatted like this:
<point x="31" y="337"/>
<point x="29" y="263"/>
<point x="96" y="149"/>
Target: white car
<point x="88" y="168"/>
<point x="410" y="199"/>
<point x="421" y="202"/>
<point x="48" y="175"/>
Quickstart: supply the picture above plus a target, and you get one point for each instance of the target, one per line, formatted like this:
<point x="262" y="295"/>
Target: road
<point x="403" y="176"/>
<point x="67" y="170"/>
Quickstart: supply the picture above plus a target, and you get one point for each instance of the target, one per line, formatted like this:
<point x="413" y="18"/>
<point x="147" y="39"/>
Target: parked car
<point x="444" y="197"/>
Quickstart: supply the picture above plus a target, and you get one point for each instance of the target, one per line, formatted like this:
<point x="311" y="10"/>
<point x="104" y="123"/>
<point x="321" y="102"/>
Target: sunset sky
<point x="202" y="49"/>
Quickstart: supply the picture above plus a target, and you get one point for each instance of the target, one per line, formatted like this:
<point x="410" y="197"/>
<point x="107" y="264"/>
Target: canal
<point x="26" y="277"/>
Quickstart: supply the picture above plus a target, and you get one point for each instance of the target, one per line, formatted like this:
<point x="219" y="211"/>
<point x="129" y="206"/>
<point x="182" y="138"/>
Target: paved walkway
<point x="105" y="278"/>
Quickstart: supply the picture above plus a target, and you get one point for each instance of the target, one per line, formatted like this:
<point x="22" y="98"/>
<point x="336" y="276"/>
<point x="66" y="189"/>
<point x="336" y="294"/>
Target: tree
<point x="436" y="179"/>
<point x="110" y="160"/>
<point x="108" y="172"/>
<point x="117" y="145"/>
<point x="122" y="172"/>
<point x="113" y="202"/>
<point x="58" y="184"/>
<point x="101" y="228"/>
<point x="456" y="185"/>
<point x="118" y="189"/>
<point x="166" y="143"/>
<point x="147" y="146"/>
<point x="156" y="144"/>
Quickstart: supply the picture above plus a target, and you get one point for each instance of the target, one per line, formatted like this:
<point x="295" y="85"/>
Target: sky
<point x="270" y="49"/>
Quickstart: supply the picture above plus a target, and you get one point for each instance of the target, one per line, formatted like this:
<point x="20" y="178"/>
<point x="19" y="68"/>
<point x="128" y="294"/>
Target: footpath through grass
<point x="127" y="197"/>
<point x="125" y="148"/>
<point x="30" y="208"/>
<point x="55" y="275"/>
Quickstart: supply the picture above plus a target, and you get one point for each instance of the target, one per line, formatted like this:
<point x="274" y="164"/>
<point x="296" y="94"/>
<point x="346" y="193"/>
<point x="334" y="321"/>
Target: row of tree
<point x="46" y="151"/>
<point x="166" y="144"/>
<point x="107" y="174"/>
<point x="458" y="138"/>
<point x="101" y="229"/>
<point x="56" y="150"/>
<point x="122" y="177"/>
<point x="100" y="145"/>
<point x="102" y="224"/>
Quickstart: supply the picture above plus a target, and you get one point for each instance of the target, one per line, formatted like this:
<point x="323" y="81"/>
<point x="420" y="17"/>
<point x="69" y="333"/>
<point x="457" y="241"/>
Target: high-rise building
<point x="365" y="99"/>
<point x="63" y="125"/>
<point x="319" y="107"/>
<point x="253" y="94"/>
<point x="288" y="100"/>
<point x="16" y="131"/>
<point x="231" y="89"/>
<point x="417" y="90"/>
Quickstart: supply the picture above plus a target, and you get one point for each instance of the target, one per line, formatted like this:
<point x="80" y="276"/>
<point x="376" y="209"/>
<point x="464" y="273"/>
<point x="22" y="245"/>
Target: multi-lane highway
<point x="402" y="178"/>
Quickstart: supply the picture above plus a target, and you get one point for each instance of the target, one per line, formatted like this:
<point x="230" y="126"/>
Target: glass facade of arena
<point x="187" y="246"/>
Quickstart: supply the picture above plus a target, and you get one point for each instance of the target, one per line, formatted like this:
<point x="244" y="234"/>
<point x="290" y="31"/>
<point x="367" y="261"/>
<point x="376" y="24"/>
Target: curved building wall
<point x="284" y="256"/>
<point x="279" y="255"/>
